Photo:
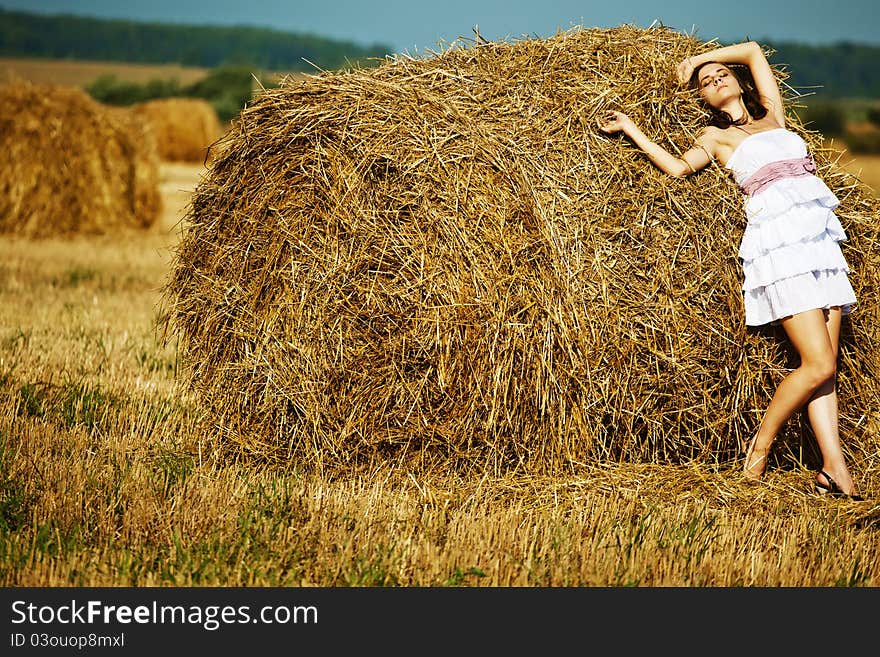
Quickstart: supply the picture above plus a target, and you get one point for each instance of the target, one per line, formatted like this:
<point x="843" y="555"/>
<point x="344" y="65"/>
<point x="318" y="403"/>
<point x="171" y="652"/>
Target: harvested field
<point x="443" y="260"/>
<point x="78" y="73"/>
<point x="864" y="166"/>
<point x="177" y="180"/>
<point x="109" y="477"/>
<point x="867" y="169"/>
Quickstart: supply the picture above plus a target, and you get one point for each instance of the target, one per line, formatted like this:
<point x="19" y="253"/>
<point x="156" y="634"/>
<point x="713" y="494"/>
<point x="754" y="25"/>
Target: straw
<point x="442" y="258"/>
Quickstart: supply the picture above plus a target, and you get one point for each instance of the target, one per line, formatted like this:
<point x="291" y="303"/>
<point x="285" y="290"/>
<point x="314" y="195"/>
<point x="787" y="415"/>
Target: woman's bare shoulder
<point x="708" y="138"/>
<point x="709" y="133"/>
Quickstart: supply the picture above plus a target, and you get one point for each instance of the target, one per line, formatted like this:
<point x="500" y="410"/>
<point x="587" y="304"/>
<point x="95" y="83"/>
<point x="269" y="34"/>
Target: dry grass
<point x="83" y="73"/>
<point x="148" y="507"/>
<point x="108" y="476"/>
<point x="863" y="166"/>
<point x="867" y="169"/>
<point x="443" y="259"/>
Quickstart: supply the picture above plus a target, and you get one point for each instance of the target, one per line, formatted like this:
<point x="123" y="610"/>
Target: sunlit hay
<point x="184" y="127"/>
<point x="69" y="165"/>
<point x="444" y="259"/>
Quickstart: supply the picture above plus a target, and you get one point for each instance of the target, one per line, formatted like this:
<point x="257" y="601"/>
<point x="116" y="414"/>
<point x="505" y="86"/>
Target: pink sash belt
<point x="799" y="166"/>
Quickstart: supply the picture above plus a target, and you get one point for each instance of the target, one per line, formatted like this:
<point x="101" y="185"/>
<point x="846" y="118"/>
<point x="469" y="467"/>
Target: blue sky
<point x="414" y="26"/>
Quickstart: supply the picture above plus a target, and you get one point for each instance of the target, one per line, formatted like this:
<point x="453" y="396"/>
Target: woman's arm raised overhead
<point x="748" y="54"/>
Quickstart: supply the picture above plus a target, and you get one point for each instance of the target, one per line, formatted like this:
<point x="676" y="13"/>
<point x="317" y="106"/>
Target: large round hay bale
<point x="70" y="165"/>
<point x="184" y="127"/>
<point x="445" y="258"/>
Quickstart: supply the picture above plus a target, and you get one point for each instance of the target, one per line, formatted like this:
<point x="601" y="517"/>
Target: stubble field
<point x="110" y="477"/>
<point x="865" y="167"/>
<point x="83" y="73"/>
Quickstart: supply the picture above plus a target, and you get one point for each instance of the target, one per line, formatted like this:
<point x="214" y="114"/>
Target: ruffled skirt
<point x="791" y="257"/>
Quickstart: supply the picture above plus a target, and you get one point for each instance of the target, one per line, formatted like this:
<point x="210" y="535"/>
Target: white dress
<point x="790" y="249"/>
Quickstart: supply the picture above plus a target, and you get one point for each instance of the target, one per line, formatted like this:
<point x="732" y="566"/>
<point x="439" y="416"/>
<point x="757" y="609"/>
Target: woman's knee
<point x="821" y="370"/>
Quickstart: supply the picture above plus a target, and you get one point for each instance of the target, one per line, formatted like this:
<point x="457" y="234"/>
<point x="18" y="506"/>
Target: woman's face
<point x="717" y="84"/>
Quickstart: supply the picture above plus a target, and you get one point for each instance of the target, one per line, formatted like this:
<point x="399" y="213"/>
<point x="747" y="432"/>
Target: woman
<point x="795" y="273"/>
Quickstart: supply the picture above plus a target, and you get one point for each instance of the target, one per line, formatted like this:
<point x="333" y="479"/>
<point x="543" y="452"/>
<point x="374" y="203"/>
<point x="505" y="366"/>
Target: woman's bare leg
<point x="810" y="337"/>
<point x="823" y="413"/>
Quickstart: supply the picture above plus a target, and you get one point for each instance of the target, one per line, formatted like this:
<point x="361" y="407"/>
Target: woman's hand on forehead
<point x="684" y="70"/>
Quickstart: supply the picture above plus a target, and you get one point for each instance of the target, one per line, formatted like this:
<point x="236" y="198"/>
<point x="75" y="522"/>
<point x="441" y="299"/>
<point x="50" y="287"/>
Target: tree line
<point x="24" y="34"/>
<point x="827" y="78"/>
<point x="842" y="70"/>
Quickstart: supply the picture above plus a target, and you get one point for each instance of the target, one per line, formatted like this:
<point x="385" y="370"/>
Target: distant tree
<point x="24" y="34"/>
<point x="826" y="117"/>
<point x="868" y="143"/>
<point x="228" y="88"/>
<point x="841" y="70"/>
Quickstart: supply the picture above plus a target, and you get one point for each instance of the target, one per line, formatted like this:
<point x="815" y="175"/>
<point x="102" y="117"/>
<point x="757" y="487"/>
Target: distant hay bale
<point x="443" y="259"/>
<point x="184" y="127"/>
<point x="70" y="165"/>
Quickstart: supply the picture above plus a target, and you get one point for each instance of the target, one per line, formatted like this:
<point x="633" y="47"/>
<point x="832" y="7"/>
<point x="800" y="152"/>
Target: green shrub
<point x="864" y="142"/>
<point x="227" y="88"/>
<point x="826" y="117"/>
<point x="110" y="91"/>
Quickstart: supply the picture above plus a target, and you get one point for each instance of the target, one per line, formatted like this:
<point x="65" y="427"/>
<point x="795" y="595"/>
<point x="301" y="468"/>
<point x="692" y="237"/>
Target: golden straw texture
<point x="72" y="166"/>
<point x="443" y="258"/>
<point x="184" y="127"/>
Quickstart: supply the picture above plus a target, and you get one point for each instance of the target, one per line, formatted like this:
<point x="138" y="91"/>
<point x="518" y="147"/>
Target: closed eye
<point x="709" y="79"/>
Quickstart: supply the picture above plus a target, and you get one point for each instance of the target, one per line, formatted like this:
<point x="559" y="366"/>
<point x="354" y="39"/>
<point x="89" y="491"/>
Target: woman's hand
<point x="614" y="121"/>
<point x="685" y="70"/>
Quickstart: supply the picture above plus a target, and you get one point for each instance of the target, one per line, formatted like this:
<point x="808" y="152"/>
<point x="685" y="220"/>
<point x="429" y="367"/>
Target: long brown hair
<point x="752" y="100"/>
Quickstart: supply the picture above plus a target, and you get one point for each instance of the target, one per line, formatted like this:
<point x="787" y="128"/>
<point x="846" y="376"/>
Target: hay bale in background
<point x="69" y="165"/>
<point x="443" y="257"/>
<point x="184" y="127"/>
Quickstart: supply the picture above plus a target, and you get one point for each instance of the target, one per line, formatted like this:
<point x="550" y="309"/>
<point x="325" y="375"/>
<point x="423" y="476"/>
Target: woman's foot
<point x="825" y="485"/>
<point x="755" y="461"/>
